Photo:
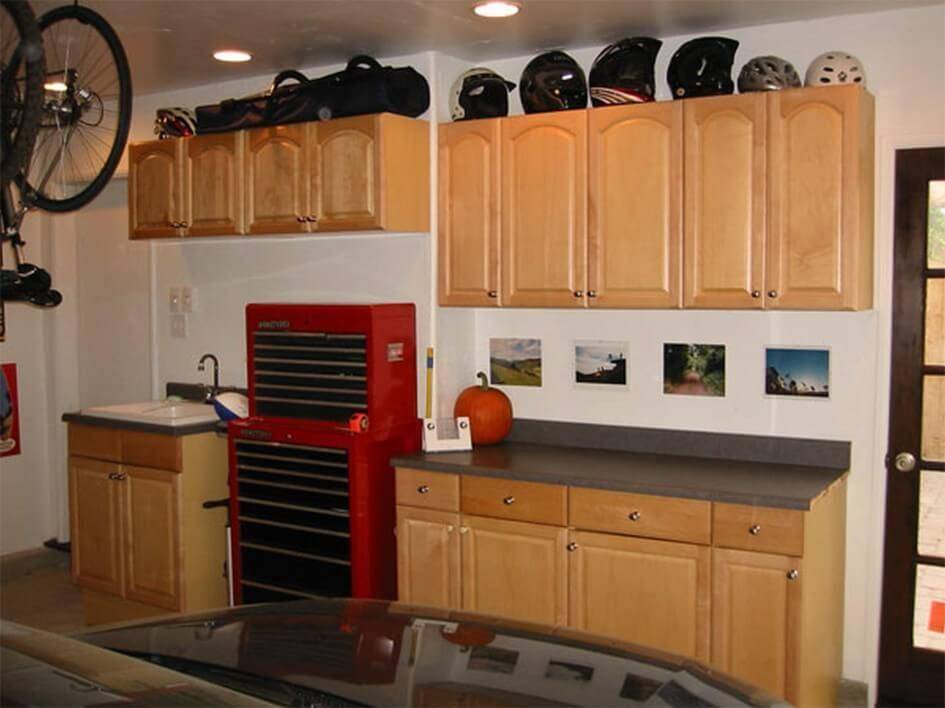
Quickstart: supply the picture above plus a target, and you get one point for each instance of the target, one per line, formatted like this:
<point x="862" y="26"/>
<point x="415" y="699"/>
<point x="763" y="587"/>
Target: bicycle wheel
<point x="21" y="85"/>
<point x="86" y="113"/>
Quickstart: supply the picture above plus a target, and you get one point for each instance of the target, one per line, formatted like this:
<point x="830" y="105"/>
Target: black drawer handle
<point x="216" y="503"/>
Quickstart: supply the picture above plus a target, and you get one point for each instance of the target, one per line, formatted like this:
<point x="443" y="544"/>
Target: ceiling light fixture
<point x="497" y="8"/>
<point x="56" y="86"/>
<point x="232" y="55"/>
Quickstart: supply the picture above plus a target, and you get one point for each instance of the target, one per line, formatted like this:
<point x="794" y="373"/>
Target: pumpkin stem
<point x="483" y="380"/>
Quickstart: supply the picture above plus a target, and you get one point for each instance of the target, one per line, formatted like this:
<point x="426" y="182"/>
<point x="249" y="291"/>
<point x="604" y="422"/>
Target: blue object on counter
<point x="230" y="406"/>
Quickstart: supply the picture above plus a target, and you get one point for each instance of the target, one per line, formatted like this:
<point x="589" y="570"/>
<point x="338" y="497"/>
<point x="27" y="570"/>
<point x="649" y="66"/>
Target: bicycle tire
<point x="38" y="197"/>
<point x="18" y="139"/>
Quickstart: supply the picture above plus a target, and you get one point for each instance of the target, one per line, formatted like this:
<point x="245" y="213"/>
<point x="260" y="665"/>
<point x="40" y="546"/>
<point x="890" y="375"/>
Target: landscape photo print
<point x="598" y="363"/>
<point x="515" y="362"/>
<point x="798" y="372"/>
<point x="694" y="369"/>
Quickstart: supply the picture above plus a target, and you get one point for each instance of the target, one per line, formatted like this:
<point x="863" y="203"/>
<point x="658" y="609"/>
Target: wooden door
<point x="345" y="176"/>
<point x="820" y="186"/>
<point x="213" y="185"/>
<point x="469" y="213"/>
<point x="724" y="231"/>
<point x="276" y="180"/>
<point x="544" y="210"/>
<point x="95" y="516"/>
<point x="514" y="569"/>
<point x="640" y="590"/>
<point x="635" y="178"/>
<point x="152" y="536"/>
<point x="428" y="557"/>
<point x="756" y="618"/>
<point x="912" y="633"/>
<point x="155" y="194"/>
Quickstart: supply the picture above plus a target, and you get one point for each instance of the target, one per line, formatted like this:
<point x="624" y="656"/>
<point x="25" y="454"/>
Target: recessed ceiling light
<point x="232" y="55"/>
<point x="56" y="86"/>
<point x="497" y="8"/>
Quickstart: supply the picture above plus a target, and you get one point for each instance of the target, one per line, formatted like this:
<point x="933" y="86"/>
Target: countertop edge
<point x="172" y="430"/>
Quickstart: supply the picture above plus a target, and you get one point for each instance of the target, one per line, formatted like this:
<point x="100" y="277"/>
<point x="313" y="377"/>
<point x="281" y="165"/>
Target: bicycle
<point x="65" y="113"/>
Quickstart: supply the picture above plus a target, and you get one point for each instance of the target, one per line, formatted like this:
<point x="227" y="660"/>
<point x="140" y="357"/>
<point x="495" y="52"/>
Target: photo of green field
<point x="515" y="362"/>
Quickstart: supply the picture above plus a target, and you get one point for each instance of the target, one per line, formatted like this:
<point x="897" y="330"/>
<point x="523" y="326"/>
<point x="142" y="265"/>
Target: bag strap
<point x="363" y="62"/>
<point x="284" y="76"/>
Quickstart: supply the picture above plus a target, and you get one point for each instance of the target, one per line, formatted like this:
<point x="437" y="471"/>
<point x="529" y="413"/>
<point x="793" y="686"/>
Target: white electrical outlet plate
<point x="173" y="300"/>
<point x="179" y="326"/>
<point x="187" y="299"/>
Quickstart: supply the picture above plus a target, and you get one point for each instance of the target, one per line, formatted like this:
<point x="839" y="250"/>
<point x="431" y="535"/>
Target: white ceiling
<point x="169" y="42"/>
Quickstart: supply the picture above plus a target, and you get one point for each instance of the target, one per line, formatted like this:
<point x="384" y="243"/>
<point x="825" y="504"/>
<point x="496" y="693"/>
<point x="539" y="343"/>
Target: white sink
<point x="159" y="412"/>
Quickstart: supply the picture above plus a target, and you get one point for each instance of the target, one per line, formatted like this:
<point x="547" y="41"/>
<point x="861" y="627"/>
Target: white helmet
<point x="479" y="93"/>
<point x="835" y="68"/>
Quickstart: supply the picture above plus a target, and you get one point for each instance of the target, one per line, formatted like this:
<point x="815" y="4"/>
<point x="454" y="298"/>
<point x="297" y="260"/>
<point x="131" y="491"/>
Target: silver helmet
<point x="767" y="73"/>
<point x="835" y="68"/>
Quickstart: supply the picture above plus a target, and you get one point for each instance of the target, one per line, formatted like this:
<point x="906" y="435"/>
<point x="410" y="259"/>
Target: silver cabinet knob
<point x="904" y="462"/>
<point x="301" y="219"/>
<point x="423" y="489"/>
<point x="493" y="294"/>
<point x="592" y="293"/>
<point x="754" y="529"/>
<point x="464" y="529"/>
<point x="634" y="516"/>
<point x="578" y="293"/>
<point x="772" y="293"/>
<point x="572" y="546"/>
<point x="311" y="219"/>
<point x="508" y="501"/>
<point x="792" y="574"/>
<point x="756" y="293"/>
<point x="450" y="528"/>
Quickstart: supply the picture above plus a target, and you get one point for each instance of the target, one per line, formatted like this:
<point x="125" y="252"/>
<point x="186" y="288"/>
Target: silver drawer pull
<point x="508" y="501"/>
<point x="634" y="516"/>
<point x="792" y="574"/>
<point x="754" y="529"/>
<point x="423" y="489"/>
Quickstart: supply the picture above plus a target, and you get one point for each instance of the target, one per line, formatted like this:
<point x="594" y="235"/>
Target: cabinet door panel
<point x="152" y="536"/>
<point x="725" y="201"/>
<point x="820" y="181"/>
<point x="515" y="569"/>
<point x="276" y="176"/>
<point x="96" y="517"/>
<point x="755" y="619"/>
<point x="345" y="176"/>
<point x="544" y="210"/>
<point x="469" y="213"/>
<point x="635" y="180"/>
<point x="214" y="185"/>
<point x="648" y="592"/>
<point x="428" y="557"/>
<point x="154" y="188"/>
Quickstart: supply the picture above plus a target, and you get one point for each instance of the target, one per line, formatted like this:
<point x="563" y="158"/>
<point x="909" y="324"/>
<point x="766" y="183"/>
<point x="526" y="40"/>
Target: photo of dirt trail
<point x="515" y="362"/>
<point x="694" y="369"/>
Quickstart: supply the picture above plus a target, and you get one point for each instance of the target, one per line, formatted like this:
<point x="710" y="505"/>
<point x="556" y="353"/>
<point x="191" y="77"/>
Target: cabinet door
<point x="469" y="213"/>
<point x="544" y="210"/>
<point x="213" y="185"/>
<point x="724" y="201"/>
<point x="635" y="180"/>
<point x="820" y="157"/>
<point x="345" y="175"/>
<point x="95" y="517"/>
<point x="515" y="569"/>
<point x="756" y="618"/>
<point x="428" y="557"/>
<point x="276" y="180"/>
<point x="152" y="536"/>
<point x="155" y="196"/>
<point x="650" y="592"/>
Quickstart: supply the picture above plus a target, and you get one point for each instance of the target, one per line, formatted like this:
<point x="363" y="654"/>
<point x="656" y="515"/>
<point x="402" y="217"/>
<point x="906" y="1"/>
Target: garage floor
<point x="36" y="590"/>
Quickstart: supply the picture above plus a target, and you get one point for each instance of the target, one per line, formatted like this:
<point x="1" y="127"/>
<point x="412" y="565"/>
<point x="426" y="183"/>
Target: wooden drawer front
<point x="430" y="490"/>
<point x="150" y="450"/>
<point x="519" y="501"/>
<point x="754" y="528"/>
<point x="95" y="442"/>
<point x="641" y="515"/>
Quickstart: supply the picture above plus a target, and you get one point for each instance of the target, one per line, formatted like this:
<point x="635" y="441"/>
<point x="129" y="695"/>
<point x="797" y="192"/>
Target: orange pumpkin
<point x="489" y="411"/>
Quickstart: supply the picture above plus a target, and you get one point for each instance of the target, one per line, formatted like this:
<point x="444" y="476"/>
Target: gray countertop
<point x="771" y="484"/>
<point x="174" y="430"/>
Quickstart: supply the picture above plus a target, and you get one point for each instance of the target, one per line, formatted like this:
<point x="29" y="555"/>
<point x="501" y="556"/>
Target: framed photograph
<point x="694" y="369"/>
<point x="515" y="362"/>
<point x="599" y="364"/>
<point x="492" y="659"/>
<point x="568" y="671"/>
<point x="797" y="372"/>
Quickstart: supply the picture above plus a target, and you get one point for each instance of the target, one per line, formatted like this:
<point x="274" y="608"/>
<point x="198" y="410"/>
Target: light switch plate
<point x="187" y="299"/>
<point x="179" y="326"/>
<point x="173" y="300"/>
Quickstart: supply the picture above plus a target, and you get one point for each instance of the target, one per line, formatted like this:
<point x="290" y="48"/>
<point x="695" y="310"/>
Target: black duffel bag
<point x="364" y="86"/>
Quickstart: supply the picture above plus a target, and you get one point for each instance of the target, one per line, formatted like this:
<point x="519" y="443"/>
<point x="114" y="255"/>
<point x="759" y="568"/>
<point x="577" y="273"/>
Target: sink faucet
<point x="216" y="373"/>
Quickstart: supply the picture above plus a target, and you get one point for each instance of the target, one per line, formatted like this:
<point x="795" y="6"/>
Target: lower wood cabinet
<point x="428" y="569"/>
<point x="95" y="503"/>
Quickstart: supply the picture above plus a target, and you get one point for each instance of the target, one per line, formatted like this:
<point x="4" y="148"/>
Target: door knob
<point x="578" y="293"/>
<point x="572" y="546"/>
<point x="904" y="462"/>
<point x="754" y="529"/>
<point x="493" y="294"/>
<point x="792" y="574"/>
<point x="301" y="219"/>
<point x="634" y="516"/>
<point x="508" y="501"/>
<point x="756" y="293"/>
<point x="772" y="293"/>
<point x="423" y="489"/>
<point x="592" y="293"/>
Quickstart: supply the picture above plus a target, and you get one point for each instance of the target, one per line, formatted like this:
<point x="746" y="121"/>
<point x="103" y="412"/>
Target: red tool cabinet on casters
<point x="332" y="396"/>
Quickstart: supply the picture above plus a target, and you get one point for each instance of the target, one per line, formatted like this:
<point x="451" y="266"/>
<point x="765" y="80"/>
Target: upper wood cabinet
<point x="156" y="188"/>
<point x="544" y="209"/>
<point x="820" y="181"/>
<point x="277" y="179"/>
<point x="213" y="185"/>
<point x="469" y="213"/>
<point x="346" y="179"/>
<point x="725" y="201"/>
<point x="635" y="186"/>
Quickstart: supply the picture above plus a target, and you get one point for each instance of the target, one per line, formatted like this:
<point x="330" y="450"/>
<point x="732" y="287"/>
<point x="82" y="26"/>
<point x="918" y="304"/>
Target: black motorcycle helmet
<point x="479" y="93"/>
<point x="702" y="67"/>
<point x="623" y="72"/>
<point x="552" y="81"/>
